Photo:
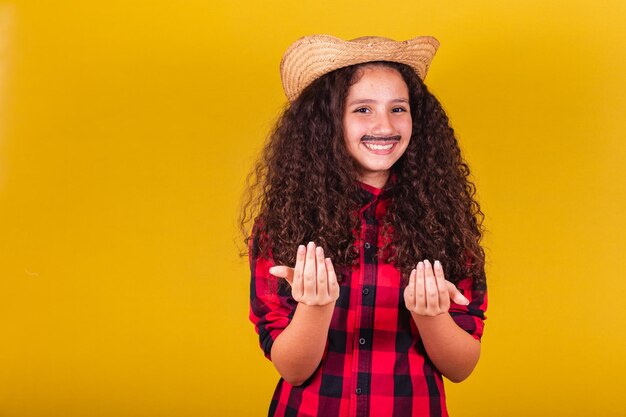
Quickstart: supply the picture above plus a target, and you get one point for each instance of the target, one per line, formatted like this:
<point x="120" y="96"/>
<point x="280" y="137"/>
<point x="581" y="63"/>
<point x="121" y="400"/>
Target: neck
<point x="377" y="180"/>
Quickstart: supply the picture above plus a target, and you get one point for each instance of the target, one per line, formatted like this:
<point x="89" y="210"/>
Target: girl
<point x="361" y="201"/>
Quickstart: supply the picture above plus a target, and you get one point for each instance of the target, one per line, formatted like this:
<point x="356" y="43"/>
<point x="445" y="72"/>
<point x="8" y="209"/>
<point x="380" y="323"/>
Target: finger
<point x="420" y="296"/>
<point x="430" y="285"/>
<point x="282" y="271"/>
<point x="442" y="288"/>
<point x="409" y="292"/>
<point x="455" y="295"/>
<point x="309" y="272"/>
<point x="297" y="286"/>
<point x="333" y="284"/>
<point x="322" y="276"/>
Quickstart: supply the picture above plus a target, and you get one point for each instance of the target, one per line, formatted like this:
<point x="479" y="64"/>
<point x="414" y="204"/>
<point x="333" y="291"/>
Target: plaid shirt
<point x="374" y="363"/>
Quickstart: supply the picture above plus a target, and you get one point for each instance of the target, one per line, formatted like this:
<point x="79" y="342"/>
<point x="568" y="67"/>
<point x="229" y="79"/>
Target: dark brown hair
<point x="304" y="186"/>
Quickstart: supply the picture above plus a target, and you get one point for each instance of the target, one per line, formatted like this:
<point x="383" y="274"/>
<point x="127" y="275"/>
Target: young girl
<point x="368" y="278"/>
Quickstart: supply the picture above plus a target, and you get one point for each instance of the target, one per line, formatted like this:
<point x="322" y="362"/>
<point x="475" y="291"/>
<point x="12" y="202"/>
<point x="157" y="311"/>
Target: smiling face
<point x="377" y="122"/>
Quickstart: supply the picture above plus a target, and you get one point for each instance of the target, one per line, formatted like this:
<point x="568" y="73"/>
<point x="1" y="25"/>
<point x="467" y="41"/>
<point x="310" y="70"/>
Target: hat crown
<point x="371" y="39"/>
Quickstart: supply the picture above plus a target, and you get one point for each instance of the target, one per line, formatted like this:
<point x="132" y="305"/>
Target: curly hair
<point x="304" y="186"/>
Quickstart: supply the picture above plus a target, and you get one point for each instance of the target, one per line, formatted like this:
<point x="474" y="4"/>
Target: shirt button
<point x="362" y="341"/>
<point x="358" y="391"/>
<point x="367" y="245"/>
<point x="366" y="291"/>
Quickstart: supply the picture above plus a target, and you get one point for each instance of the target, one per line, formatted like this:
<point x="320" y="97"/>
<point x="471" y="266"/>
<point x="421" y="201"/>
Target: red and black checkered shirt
<point x="374" y="363"/>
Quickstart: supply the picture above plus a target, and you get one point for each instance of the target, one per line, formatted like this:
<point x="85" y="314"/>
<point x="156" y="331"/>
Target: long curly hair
<point x="304" y="186"/>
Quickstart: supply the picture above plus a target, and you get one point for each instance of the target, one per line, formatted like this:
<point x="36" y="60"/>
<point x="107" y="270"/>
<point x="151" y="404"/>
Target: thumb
<point x="456" y="295"/>
<point x="282" y="272"/>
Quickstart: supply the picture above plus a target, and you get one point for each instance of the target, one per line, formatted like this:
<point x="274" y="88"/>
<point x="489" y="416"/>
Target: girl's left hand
<point x="428" y="293"/>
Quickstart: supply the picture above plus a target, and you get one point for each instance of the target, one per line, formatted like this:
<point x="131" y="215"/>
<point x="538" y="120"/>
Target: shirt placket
<point x="365" y="319"/>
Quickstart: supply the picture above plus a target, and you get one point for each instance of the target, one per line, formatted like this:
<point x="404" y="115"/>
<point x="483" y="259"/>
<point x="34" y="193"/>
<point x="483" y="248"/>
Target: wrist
<point x="316" y="308"/>
<point x="423" y="321"/>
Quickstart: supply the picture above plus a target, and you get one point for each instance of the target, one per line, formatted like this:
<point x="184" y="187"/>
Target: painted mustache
<point x="368" y="138"/>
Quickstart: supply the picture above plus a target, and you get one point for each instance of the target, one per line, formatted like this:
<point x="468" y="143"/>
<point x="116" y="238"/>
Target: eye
<point x="361" y="110"/>
<point x="399" y="110"/>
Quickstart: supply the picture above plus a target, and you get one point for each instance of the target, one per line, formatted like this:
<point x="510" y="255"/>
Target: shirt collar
<point x="371" y="193"/>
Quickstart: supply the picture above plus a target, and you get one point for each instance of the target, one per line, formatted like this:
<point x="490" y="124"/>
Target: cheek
<point x="407" y="126"/>
<point x="353" y="131"/>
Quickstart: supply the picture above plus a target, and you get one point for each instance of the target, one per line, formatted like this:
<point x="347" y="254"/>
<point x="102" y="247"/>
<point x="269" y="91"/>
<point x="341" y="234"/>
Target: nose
<point x="383" y="125"/>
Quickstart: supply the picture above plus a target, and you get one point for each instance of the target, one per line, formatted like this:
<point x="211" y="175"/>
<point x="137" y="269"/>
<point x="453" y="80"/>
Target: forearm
<point x="298" y="350"/>
<point x="452" y="350"/>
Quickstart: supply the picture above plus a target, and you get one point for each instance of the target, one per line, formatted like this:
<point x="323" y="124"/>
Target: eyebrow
<point x="370" y="100"/>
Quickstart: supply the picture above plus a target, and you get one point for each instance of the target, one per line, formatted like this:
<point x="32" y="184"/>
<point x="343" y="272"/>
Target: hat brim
<point x="310" y="57"/>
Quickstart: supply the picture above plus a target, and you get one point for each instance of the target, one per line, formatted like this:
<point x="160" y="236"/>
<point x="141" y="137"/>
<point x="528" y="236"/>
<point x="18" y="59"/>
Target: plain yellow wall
<point x="127" y="128"/>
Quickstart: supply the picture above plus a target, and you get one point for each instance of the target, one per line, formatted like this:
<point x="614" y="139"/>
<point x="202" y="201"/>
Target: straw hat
<point x="310" y="57"/>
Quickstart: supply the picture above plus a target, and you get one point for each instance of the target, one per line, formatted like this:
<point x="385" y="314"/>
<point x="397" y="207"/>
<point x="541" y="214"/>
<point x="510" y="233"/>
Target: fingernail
<point x="319" y="251"/>
<point x="420" y="265"/>
<point x="426" y="263"/>
<point x="301" y="249"/>
<point x="272" y="269"/>
<point x="437" y="264"/>
<point x="310" y="245"/>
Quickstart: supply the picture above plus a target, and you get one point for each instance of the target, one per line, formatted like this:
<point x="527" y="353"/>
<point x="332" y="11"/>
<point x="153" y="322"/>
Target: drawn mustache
<point x="368" y="138"/>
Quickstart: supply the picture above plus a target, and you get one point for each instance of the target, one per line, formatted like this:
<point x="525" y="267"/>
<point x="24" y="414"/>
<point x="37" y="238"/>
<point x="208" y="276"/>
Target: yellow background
<point x="126" y="131"/>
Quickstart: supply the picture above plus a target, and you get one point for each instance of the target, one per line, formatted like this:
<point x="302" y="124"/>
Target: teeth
<point x="373" y="146"/>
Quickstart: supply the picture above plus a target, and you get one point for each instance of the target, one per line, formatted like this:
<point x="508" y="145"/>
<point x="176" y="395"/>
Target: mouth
<point x="380" y="144"/>
<point x="379" y="147"/>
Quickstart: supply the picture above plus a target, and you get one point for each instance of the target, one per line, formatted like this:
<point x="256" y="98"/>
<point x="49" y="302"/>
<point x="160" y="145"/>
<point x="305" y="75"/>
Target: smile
<point x="379" y="147"/>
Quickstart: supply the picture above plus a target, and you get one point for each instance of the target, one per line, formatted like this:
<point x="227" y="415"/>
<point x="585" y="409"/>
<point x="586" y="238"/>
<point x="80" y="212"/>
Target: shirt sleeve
<point x="271" y="304"/>
<point x="471" y="317"/>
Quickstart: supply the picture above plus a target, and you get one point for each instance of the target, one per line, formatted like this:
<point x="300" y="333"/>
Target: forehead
<point x="376" y="65"/>
<point x="372" y="77"/>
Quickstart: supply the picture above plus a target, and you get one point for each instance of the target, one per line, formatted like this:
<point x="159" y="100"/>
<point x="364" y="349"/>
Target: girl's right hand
<point x="313" y="280"/>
